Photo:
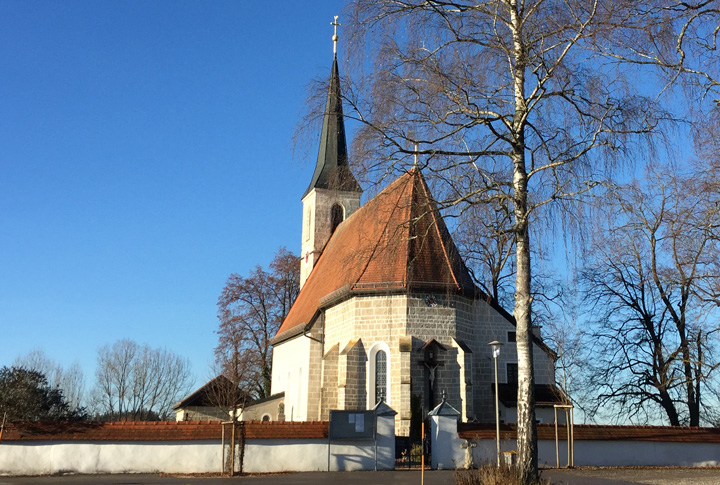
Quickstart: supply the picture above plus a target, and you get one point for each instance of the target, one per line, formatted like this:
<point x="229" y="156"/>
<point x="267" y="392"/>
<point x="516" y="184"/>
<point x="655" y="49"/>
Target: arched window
<point x="380" y="376"/>
<point x="337" y="214"/>
<point x="378" y="372"/>
<point x="266" y="417"/>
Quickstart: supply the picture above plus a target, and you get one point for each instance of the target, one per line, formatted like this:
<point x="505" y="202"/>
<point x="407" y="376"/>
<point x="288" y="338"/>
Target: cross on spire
<point x="335" y="25"/>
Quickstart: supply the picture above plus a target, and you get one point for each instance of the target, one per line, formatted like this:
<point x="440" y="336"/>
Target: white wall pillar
<point x="447" y="452"/>
<point x="385" y="433"/>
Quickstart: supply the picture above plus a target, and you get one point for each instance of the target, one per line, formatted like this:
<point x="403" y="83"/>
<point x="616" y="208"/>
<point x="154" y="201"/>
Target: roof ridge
<point x="435" y="214"/>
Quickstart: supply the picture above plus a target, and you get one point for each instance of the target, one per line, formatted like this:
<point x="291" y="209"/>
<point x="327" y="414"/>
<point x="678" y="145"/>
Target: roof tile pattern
<point x="396" y="241"/>
<point x="159" y="431"/>
<point x="597" y="432"/>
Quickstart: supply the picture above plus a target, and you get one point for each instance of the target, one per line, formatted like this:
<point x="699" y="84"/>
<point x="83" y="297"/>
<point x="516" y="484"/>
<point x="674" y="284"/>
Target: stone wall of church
<point x="314" y="378"/>
<point x="329" y="399"/>
<point x="352" y="376"/>
<point x="405" y="323"/>
<point x="435" y="317"/>
<point x="371" y="319"/>
<point x="479" y="324"/>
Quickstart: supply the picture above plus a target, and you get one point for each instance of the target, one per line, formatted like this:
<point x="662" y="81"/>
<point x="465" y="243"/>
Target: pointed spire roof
<point x="332" y="170"/>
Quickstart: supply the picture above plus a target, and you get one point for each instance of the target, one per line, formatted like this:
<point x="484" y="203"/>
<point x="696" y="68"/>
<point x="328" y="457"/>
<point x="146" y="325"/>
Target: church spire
<point x="333" y="194"/>
<point x="332" y="170"/>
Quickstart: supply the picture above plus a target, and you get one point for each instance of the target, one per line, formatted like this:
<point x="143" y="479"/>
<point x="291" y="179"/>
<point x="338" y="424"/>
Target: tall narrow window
<point x="380" y="376"/>
<point x="512" y="373"/>
<point x="336" y="217"/>
<point x="379" y="369"/>
<point x="308" y="216"/>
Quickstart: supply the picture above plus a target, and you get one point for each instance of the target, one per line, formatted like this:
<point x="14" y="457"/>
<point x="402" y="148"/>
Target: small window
<point x="512" y="373"/>
<point x="336" y="217"/>
<point x="266" y="417"/>
<point x="511" y="337"/>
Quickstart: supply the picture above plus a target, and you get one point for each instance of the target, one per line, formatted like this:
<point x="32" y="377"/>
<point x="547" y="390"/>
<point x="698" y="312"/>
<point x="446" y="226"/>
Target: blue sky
<point x="146" y="154"/>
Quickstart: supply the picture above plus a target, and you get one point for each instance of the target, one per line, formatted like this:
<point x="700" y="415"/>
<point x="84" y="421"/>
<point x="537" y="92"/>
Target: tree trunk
<point x="693" y="401"/>
<point x="527" y="431"/>
<point x="667" y="403"/>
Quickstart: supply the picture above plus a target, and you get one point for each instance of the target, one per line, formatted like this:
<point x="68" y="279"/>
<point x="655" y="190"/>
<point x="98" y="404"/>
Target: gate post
<point x="445" y="445"/>
<point x="384" y="436"/>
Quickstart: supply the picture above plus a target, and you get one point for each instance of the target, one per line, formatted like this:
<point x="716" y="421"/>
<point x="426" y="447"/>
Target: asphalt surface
<point x="599" y="476"/>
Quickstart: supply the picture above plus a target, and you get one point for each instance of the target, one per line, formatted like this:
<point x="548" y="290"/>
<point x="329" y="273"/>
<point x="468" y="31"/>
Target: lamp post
<point x="496" y="353"/>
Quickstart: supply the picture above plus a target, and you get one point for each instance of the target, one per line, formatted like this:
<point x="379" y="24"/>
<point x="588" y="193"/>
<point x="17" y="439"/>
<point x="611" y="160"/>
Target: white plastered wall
<point x="290" y="371"/>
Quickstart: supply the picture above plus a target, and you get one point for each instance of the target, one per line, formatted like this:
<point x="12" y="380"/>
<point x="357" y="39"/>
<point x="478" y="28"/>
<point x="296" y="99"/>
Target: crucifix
<point x="431" y="375"/>
<point x="335" y="25"/>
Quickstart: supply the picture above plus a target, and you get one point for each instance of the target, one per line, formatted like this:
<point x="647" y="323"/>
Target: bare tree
<point x="136" y="382"/>
<point x="71" y="380"/>
<point x="564" y="333"/>
<point x="250" y="310"/>
<point x="488" y="249"/>
<point x="509" y="102"/>
<point x="654" y="281"/>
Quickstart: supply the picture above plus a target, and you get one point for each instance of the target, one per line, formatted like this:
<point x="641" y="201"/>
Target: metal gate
<point x="410" y="451"/>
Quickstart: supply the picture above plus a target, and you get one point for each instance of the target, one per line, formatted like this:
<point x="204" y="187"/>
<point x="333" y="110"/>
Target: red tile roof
<point x="597" y="432"/>
<point x="396" y="241"/>
<point x="159" y="431"/>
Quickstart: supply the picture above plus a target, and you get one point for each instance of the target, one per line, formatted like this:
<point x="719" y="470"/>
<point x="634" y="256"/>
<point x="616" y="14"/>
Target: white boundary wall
<point x="52" y="457"/>
<point x="449" y="454"/>
<point x="29" y="457"/>
<point x="261" y="456"/>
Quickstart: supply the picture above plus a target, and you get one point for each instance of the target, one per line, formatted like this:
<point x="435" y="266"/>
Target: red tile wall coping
<point x="159" y="431"/>
<point x="598" y="432"/>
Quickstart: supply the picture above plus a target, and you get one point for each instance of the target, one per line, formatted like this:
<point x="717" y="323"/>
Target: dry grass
<point x="490" y="475"/>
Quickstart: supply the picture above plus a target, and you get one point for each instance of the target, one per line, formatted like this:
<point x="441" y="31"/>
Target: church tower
<point x="333" y="194"/>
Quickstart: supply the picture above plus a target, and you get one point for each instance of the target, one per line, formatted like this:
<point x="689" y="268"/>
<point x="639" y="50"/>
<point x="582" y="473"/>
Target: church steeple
<point x="332" y="170"/>
<point x="334" y="193"/>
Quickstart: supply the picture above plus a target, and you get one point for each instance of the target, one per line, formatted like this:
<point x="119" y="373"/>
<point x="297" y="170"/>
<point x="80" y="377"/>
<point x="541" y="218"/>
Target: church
<point x="387" y="308"/>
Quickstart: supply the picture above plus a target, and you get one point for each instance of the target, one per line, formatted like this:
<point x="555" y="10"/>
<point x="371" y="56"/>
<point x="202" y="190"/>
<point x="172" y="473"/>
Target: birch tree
<point x="527" y="104"/>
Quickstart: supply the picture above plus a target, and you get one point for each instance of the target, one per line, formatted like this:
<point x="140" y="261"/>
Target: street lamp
<point x="496" y="353"/>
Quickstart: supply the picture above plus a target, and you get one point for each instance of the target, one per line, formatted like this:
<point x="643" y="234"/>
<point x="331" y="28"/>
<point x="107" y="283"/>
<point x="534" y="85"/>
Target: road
<point x="599" y="476"/>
